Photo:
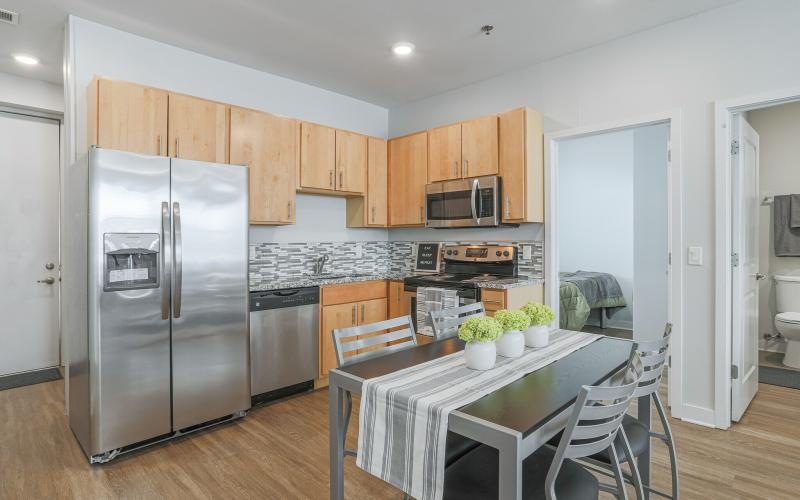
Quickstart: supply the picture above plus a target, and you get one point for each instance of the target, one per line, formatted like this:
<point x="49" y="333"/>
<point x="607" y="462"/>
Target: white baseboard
<point x="698" y="415"/>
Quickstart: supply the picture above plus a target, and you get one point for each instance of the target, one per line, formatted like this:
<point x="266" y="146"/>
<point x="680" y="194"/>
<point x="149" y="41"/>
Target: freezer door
<point x="210" y="360"/>
<point x="129" y="332"/>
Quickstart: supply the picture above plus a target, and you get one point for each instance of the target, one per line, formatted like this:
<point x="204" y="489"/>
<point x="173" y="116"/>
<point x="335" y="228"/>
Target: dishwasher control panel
<point x="276" y="299"/>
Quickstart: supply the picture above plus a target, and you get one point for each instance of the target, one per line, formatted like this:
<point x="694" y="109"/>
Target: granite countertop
<point x="306" y="281"/>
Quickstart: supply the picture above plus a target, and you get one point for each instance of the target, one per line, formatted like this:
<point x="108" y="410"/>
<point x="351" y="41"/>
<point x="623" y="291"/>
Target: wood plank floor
<point x="281" y="451"/>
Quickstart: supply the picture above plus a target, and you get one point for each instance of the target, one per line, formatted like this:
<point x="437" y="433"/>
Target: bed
<point x="582" y="291"/>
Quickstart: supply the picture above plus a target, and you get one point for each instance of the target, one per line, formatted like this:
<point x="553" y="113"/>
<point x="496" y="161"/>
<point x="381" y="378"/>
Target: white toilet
<point x="787" y="321"/>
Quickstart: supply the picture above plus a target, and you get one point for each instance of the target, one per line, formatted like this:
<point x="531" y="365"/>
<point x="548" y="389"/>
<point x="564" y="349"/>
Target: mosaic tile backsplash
<point x="280" y="261"/>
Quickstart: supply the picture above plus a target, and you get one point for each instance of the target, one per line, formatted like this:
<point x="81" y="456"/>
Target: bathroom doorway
<point x="779" y="254"/>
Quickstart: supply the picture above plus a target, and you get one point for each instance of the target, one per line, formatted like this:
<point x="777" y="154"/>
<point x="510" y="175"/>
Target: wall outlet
<point x="695" y="256"/>
<point x="527" y="251"/>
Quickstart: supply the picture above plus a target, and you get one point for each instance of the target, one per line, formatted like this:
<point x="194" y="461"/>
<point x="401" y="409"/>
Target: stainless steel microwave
<point x="464" y="203"/>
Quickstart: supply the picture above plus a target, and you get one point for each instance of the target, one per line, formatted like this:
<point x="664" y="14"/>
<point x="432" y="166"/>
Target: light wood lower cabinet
<point x="127" y="117"/>
<point x="522" y="165"/>
<point x="510" y="298"/>
<point x="398" y="303"/>
<point x="348" y="305"/>
<point x="198" y="129"/>
<point x="268" y="144"/>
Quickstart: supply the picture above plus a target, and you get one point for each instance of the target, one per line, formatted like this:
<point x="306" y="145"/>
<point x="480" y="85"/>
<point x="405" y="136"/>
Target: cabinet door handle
<point x="289" y="209"/>
<point x="341" y="179"/>
<point x="466" y="168"/>
<point x="330" y="179"/>
<point x="455" y="168"/>
<point x="508" y="206"/>
<point x="158" y="146"/>
<point x="420" y="214"/>
<point x="177" y="154"/>
<point x="373" y="215"/>
<point x="363" y="313"/>
<point x="495" y="302"/>
<point x="353" y="316"/>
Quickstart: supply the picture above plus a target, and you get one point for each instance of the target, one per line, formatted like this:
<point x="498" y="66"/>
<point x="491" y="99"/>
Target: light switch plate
<point x="695" y="256"/>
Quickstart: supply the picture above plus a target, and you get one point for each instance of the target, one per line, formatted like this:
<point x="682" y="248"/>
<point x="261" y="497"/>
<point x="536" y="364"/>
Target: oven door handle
<point x="473" y="196"/>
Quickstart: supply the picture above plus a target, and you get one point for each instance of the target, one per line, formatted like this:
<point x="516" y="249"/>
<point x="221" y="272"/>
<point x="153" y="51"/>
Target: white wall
<point x="94" y="49"/>
<point x="595" y="211"/>
<point x="26" y="92"/>
<point x="650" y="229"/>
<point x="745" y="48"/>
<point x="778" y="128"/>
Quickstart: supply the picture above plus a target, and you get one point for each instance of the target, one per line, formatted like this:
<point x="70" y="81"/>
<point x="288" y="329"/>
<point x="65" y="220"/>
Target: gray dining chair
<point x="447" y="321"/>
<point x="554" y="473"/>
<point x="653" y="354"/>
<point x="362" y="342"/>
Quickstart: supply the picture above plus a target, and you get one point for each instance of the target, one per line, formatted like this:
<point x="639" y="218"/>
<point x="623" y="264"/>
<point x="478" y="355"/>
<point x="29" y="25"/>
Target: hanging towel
<point x="795" y="217"/>
<point x="432" y="299"/>
<point x="787" y="238"/>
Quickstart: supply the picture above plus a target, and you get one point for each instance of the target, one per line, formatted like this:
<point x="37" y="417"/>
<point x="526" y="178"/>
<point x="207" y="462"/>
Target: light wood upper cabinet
<point x="127" y="117"/>
<point x="444" y="153"/>
<point x="522" y="165"/>
<point x="408" y="174"/>
<point x="317" y="156"/>
<point x="198" y="129"/>
<point x="370" y="210"/>
<point x="479" y="147"/>
<point x="268" y="144"/>
<point x="351" y="162"/>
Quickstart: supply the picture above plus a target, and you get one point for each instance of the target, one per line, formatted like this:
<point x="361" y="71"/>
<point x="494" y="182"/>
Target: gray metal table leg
<point x="510" y="474"/>
<point x="644" y="458"/>
<point x="336" y="439"/>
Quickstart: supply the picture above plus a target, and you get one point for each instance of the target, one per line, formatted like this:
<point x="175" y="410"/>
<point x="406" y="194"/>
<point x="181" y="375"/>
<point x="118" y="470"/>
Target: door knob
<point x="47" y="281"/>
<point x="49" y="266"/>
<point x="760" y="276"/>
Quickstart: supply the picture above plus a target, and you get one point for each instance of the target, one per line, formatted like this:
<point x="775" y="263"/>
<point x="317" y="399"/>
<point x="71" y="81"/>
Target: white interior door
<point x="29" y="201"/>
<point x="745" y="203"/>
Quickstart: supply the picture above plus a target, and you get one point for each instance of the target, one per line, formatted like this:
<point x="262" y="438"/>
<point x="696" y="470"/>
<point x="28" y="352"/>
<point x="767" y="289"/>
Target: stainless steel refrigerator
<point x="156" y="297"/>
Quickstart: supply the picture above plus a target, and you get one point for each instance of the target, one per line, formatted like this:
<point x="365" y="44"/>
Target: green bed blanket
<point x="573" y="308"/>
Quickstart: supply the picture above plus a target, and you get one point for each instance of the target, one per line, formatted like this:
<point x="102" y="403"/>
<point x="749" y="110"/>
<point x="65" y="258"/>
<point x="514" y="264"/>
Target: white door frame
<point x="675" y="230"/>
<point x="723" y="112"/>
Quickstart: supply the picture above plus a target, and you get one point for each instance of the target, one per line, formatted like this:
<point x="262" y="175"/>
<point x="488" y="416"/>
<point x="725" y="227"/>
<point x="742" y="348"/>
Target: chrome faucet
<point x="319" y="264"/>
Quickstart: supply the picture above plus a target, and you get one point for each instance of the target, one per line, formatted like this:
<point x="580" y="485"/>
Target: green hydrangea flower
<point x="512" y="320"/>
<point x="539" y="314"/>
<point x="480" y="329"/>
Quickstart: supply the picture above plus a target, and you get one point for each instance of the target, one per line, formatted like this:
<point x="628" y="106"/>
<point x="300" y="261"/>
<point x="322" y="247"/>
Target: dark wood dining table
<point x="516" y="419"/>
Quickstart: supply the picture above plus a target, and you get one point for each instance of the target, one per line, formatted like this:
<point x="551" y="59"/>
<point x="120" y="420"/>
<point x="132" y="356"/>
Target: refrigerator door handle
<point x="166" y="271"/>
<point x="177" y="259"/>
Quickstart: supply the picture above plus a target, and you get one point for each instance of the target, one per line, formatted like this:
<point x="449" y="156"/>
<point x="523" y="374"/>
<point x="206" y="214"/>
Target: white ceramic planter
<point x="480" y="355"/>
<point x="511" y="344"/>
<point x="537" y="336"/>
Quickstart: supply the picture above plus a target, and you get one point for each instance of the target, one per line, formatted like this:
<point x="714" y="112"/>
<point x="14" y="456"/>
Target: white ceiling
<point x="344" y="45"/>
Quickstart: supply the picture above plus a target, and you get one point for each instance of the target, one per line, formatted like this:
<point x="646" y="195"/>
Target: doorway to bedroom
<point x="613" y="227"/>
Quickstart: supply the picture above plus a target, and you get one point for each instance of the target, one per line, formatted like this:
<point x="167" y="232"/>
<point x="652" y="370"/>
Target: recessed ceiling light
<point x="26" y="59"/>
<point x="403" y="48"/>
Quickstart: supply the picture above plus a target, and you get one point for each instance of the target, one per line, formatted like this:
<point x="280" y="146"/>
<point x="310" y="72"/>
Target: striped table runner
<point x="403" y="416"/>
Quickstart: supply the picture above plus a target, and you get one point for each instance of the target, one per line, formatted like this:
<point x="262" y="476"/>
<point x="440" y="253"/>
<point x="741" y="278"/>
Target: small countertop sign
<point x="428" y="257"/>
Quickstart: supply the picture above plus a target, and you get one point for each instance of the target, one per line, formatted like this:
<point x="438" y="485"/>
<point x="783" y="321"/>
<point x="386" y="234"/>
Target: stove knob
<point x="455" y="252"/>
<point x="498" y="253"/>
<point x="449" y="252"/>
<point x="505" y="254"/>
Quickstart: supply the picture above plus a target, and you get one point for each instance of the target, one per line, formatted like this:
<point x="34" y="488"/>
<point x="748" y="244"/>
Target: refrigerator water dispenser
<point x="131" y="261"/>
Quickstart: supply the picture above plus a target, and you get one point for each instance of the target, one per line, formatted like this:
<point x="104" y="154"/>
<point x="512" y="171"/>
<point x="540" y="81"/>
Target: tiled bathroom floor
<point x="773" y="360"/>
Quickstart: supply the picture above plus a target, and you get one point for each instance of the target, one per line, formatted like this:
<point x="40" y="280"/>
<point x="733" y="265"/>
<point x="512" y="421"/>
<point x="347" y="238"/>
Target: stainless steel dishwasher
<point x="284" y="342"/>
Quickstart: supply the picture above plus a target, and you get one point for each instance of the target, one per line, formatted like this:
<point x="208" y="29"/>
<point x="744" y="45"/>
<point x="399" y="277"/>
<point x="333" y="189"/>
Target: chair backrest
<point x="446" y="321"/>
<point x="653" y="354"/>
<point x="357" y="343"/>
